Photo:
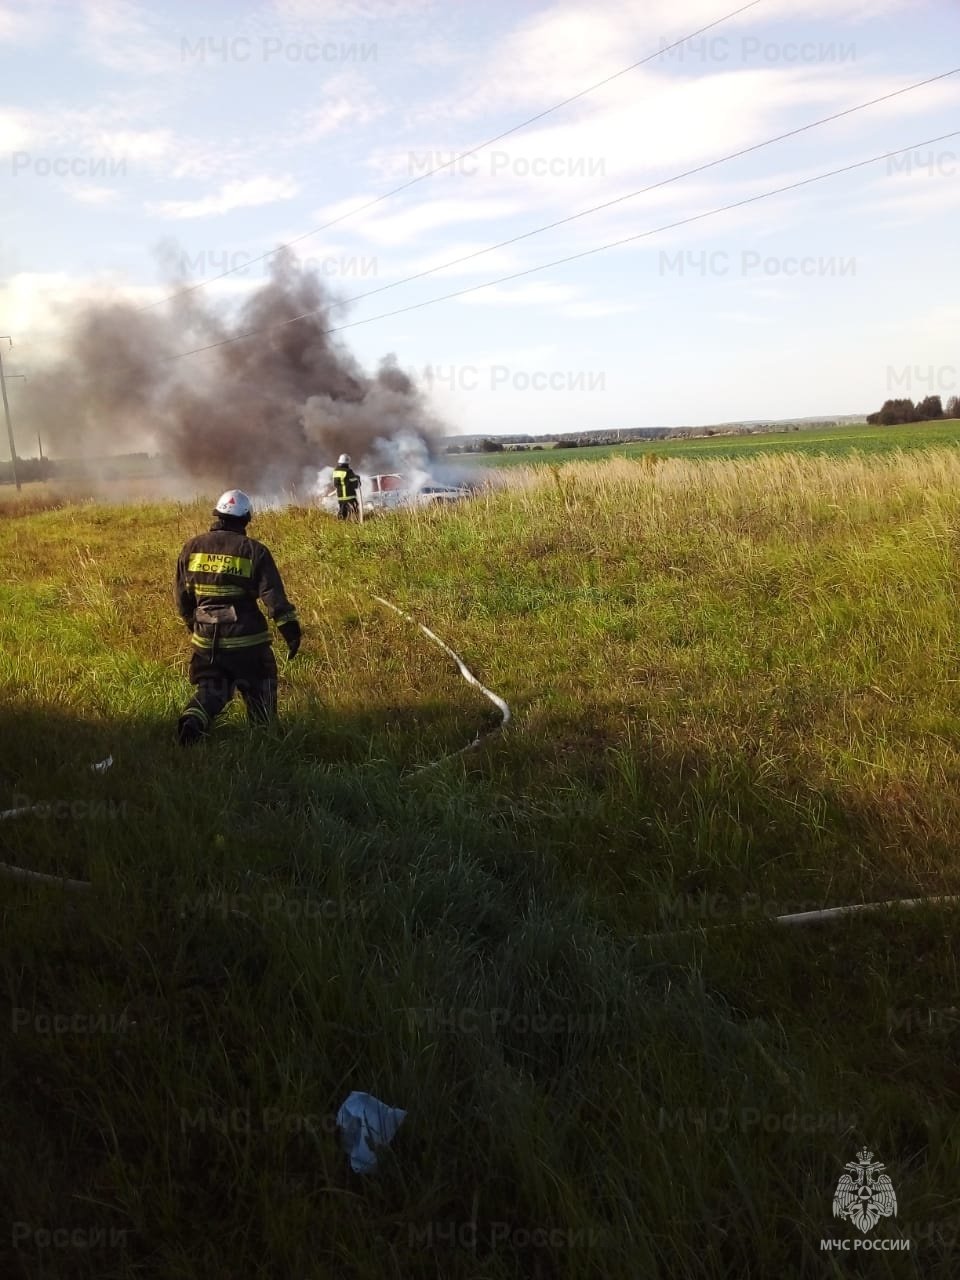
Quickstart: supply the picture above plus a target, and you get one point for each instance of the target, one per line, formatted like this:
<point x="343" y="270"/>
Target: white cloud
<point x="526" y="295"/>
<point x="106" y="131"/>
<point x="739" y="317"/>
<point x="562" y="300"/>
<point x="233" y="195"/>
<point x="142" y="146"/>
<point x="329" y="118"/>
<point x="36" y="302"/>
<point x="341" y="208"/>
<point x="349" y="99"/>
<point x="123" y="36"/>
<point x="909" y="197"/>
<point x="21" y="24"/>
<point x="326" y="11"/>
<point x="16" y="130"/>
<point x="393" y="228"/>
<point x="566" y="166"/>
<point x="596" y="310"/>
<point x="566" y="48"/>
<point x="944" y="317"/>
<point x="106" y="134"/>
<point x="89" y="194"/>
<point x="532" y="355"/>
<point x="498" y="260"/>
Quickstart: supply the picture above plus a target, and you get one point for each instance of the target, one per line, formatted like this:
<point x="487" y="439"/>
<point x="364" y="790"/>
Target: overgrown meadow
<point x="734" y="687"/>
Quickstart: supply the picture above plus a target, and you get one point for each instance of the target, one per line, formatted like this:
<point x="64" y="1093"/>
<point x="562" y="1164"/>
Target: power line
<point x="6" y="411"/>
<point x="573" y="257"/>
<point x="630" y="195"/>
<point x="481" y="146"/>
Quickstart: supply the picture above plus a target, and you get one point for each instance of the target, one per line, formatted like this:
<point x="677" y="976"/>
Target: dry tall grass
<point x="735" y="695"/>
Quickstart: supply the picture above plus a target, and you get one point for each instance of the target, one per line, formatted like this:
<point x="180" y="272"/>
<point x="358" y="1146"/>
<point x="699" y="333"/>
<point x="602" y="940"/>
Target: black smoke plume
<point x="264" y="413"/>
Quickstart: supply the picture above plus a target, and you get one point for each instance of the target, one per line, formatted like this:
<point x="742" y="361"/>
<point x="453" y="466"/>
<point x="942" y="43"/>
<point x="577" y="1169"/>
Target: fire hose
<point x="821" y="916"/>
<point x="101" y="766"/>
<point x="470" y="678"/>
<point x="38" y="877"/>
<point x="800" y="917"/>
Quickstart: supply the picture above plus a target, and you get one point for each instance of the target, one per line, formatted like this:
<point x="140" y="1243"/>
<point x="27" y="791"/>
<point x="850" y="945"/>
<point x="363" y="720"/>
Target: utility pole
<point x="6" y="410"/>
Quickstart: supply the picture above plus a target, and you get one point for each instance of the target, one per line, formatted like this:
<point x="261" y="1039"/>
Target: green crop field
<point x="825" y="440"/>
<point x="736" y="694"/>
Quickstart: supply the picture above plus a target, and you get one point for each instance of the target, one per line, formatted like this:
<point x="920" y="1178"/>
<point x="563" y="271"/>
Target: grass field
<point x="735" y="694"/>
<point x="828" y="440"/>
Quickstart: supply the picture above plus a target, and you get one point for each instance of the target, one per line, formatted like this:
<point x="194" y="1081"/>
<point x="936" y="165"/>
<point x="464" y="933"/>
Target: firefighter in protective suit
<point x="347" y="485"/>
<point x="220" y="577"/>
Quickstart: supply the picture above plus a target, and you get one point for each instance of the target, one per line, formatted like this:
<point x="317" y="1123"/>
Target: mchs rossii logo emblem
<point x="863" y="1196"/>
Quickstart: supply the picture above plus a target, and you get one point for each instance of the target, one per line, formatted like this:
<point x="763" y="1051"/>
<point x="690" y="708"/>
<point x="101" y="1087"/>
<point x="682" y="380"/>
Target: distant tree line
<point x="28" y="469"/>
<point x="477" y="446"/>
<point x="895" y="412"/>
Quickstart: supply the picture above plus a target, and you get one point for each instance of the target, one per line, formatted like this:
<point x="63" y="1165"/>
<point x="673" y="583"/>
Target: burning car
<point x="388" y="492"/>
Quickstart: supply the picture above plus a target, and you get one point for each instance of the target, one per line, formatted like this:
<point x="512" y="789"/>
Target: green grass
<point x="735" y="695"/>
<point x="827" y="440"/>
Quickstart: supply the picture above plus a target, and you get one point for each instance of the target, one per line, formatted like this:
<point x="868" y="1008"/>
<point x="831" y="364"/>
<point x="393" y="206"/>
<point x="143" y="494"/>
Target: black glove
<point x="293" y="635"/>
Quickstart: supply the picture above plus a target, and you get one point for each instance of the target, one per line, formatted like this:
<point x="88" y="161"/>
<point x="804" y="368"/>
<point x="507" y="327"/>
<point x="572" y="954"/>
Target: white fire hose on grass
<point x="38" y="877"/>
<point x="826" y="914"/>
<point x="822" y="916"/>
<point x="470" y="678"/>
<point x="100" y="767"/>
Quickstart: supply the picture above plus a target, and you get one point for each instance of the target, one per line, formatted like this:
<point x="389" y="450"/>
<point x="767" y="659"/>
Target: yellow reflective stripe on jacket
<point x="220" y="590"/>
<point x="213" y="562"/>
<point x="281" y="618"/>
<point x="340" y="480"/>
<point x="230" y="642"/>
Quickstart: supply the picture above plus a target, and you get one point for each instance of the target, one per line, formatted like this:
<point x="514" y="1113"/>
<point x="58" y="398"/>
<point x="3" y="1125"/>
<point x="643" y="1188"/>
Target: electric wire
<point x="481" y="146"/>
<point x="632" y="195"/>
<point x="573" y="257"/>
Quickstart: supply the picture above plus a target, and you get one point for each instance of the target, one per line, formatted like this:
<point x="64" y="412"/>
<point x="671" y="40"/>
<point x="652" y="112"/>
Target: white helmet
<point x="343" y="460"/>
<point x="234" y="503"/>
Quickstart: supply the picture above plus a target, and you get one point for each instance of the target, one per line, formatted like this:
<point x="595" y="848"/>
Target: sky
<point x="141" y="139"/>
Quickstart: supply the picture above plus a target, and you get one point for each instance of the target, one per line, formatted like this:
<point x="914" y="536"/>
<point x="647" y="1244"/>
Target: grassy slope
<point x="735" y="694"/>
<point x="829" y="440"/>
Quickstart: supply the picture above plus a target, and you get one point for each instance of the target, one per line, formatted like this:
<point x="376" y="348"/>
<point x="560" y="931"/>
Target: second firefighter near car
<point x="221" y="576"/>
<point x="347" y="485"/>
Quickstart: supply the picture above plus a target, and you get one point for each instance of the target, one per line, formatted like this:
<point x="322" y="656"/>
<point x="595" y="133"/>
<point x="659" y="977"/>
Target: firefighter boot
<point x="192" y="726"/>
